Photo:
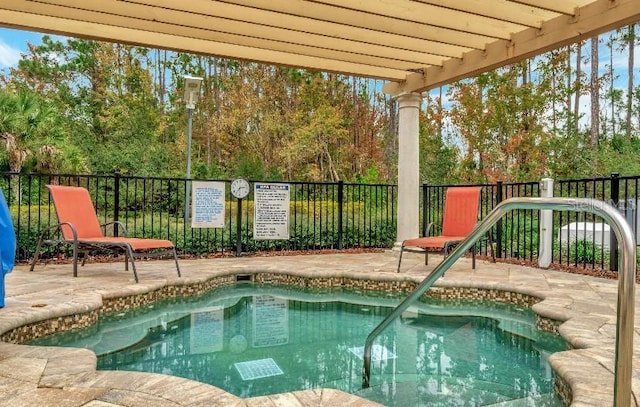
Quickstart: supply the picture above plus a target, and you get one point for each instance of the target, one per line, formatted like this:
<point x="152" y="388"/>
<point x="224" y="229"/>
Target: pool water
<point x="254" y="340"/>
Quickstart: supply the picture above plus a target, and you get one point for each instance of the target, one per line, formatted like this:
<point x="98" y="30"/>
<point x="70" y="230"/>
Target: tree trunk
<point x="554" y="88"/>
<point x="631" y="42"/>
<point x="576" y="105"/>
<point x="440" y="112"/>
<point x="568" y="95"/>
<point x="332" y="168"/>
<point x="612" y="101"/>
<point x="594" y="134"/>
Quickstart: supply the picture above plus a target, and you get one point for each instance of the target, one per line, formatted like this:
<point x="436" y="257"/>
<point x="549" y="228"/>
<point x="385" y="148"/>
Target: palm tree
<point x="10" y="122"/>
<point x="27" y="124"/>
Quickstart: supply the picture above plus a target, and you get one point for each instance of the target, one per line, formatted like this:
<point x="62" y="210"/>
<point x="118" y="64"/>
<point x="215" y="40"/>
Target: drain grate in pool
<point x="378" y="353"/>
<point x="257" y="369"/>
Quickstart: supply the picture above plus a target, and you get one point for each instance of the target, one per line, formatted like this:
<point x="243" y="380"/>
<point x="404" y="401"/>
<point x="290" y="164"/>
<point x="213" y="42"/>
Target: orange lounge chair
<point x="80" y="227"/>
<point x="459" y="218"/>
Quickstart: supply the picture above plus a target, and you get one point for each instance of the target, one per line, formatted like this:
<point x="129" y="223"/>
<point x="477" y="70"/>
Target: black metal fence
<point x="322" y="215"/>
<point x="514" y="236"/>
<point x="592" y="244"/>
<point x="327" y="216"/>
<point x="580" y="239"/>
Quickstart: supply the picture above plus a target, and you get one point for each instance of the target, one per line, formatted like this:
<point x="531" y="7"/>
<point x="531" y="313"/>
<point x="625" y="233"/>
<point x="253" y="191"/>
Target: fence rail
<point x="322" y="215"/>
<point x="328" y="216"/>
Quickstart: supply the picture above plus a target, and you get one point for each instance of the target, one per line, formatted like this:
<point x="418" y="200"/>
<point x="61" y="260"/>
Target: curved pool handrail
<point x="626" y="279"/>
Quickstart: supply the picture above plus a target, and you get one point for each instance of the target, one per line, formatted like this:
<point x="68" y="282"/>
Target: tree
<point x="631" y="44"/>
<point x="500" y="119"/>
<point x="438" y="158"/>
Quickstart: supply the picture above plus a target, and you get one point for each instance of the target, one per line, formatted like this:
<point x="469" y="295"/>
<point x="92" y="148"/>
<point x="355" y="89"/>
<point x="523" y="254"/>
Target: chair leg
<point x="426" y="257"/>
<point x="75" y="259"/>
<point x="445" y="250"/>
<point x="37" y="253"/>
<point x="493" y="253"/>
<point x="473" y="257"/>
<point x="129" y="253"/>
<point x="175" y="257"/>
<point x="400" y="259"/>
<point x="126" y="260"/>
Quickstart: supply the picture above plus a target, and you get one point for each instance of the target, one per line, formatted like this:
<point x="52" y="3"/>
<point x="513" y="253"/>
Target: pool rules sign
<point x="271" y="211"/>
<point x="207" y="208"/>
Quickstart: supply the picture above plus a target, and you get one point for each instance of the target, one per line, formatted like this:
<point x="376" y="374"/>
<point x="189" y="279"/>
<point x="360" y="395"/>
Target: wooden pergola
<point x="415" y="45"/>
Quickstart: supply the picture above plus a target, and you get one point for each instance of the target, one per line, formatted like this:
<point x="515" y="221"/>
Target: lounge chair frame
<point x="424" y="244"/>
<point x="85" y="244"/>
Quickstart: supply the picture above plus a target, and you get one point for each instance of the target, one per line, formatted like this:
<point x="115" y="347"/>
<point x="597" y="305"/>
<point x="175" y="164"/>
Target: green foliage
<point x="438" y="160"/>
<point x="371" y="176"/>
<point x="86" y="106"/>
<point x="500" y="117"/>
<point x="581" y="252"/>
<point x="520" y="235"/>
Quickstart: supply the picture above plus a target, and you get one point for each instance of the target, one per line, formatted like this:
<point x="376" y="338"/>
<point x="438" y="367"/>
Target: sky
<point x="13" y="43"/>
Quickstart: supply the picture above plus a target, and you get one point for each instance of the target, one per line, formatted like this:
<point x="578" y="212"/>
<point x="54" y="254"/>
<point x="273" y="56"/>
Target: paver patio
<point x="47" y="376"/>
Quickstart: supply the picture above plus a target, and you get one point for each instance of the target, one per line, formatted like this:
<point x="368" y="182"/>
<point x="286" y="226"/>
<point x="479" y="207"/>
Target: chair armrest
<point x="115" y="222"/>
<point x="58" y="226"/>
<point x="430" y="229"/>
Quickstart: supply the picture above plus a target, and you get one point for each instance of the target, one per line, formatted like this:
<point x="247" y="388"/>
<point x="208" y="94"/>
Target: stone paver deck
<point x="48" y="376"/>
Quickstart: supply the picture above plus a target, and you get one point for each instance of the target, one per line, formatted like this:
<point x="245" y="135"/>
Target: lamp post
<point x="191" y="93"/>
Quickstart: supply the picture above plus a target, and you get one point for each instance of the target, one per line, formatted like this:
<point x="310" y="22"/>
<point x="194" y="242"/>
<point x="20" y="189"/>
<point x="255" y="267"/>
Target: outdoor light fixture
<point x="190" y="97"/>
<point x="191" y="91"/>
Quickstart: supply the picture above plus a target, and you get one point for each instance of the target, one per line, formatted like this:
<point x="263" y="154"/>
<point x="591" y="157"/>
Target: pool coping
<point x="592" y="356"/>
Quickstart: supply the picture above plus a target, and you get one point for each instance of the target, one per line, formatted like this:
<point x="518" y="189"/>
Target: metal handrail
<point x="626" y="279"/>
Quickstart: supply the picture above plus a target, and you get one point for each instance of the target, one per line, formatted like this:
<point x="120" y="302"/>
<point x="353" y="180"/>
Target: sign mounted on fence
<point x="207" y="207"/>
<point x="271" y="211"/>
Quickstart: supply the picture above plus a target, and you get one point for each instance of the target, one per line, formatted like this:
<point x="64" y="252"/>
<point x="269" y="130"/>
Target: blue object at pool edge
<point x="7" y="244"/>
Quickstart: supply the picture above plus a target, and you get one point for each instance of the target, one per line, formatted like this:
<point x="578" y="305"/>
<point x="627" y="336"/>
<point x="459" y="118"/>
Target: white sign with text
<point x="207" y="208"/>
<point x="271" y="211"/>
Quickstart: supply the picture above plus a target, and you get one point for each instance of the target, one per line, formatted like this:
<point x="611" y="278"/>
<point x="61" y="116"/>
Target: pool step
<point x="408" y="391"/>
<point x="547" y="400"/>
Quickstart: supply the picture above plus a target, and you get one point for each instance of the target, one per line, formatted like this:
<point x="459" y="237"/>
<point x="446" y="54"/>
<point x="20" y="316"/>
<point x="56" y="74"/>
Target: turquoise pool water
<point x="254" y="340"/>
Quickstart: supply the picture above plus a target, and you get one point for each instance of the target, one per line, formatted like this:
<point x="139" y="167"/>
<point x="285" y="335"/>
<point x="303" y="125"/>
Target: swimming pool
<point x="263" y="339"/>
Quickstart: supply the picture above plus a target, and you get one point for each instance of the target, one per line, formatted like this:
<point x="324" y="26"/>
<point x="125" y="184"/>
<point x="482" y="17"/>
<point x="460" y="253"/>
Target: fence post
<point x="116" y="202"/>
<point x="340" y="206"/>
<point x="425" y="208"/>
<point x="613" y="241"/>
<point x="499" y="199"/>
<point x="239" y="228"/>
<point x="546" y="226"/>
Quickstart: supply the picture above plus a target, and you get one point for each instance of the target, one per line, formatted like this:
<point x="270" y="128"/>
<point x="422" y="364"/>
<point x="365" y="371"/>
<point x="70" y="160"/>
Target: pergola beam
<point x="595" y="18"/>
<point x="83" y="29"/>
<point x="240" y="33"/>
<point x="415" y="44"/>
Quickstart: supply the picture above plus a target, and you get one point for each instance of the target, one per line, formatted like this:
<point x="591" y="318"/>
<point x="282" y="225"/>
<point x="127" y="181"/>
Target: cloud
<point x="9" y="56"/>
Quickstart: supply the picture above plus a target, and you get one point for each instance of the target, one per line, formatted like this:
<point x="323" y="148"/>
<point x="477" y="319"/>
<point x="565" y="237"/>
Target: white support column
<point x="546" y="226"/>
<point x="408" y="167"/>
